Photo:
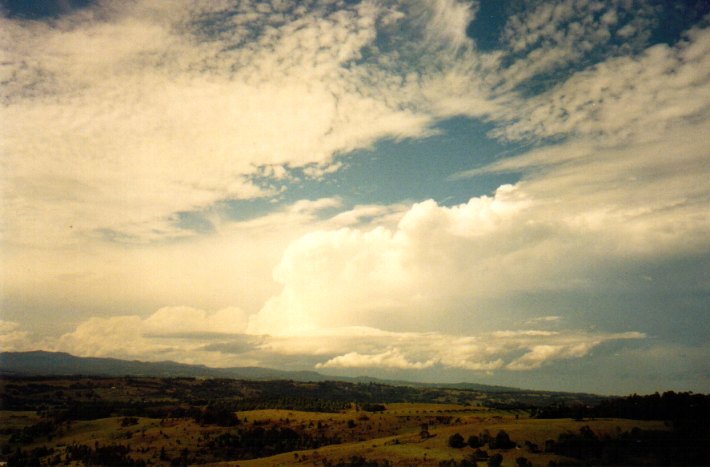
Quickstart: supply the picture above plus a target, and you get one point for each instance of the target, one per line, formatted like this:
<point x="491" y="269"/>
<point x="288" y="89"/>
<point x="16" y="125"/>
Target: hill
<point x="148" y="420"/>
<point x="63" y="364"/>
<point x="60" y="364"/>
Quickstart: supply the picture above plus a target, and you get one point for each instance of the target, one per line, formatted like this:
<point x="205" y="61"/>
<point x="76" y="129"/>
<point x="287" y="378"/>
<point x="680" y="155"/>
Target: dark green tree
<point x="456" y="441"/>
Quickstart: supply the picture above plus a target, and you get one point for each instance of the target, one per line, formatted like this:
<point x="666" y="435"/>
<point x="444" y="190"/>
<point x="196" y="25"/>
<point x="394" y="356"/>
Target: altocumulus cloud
<point x="154" y="111"/>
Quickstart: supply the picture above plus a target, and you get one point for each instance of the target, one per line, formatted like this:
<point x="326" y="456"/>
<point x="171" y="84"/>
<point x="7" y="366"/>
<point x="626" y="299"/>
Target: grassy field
<point x="392" y="436"/>
<point x="188" y="421"/>
<point x="397" y="439"/>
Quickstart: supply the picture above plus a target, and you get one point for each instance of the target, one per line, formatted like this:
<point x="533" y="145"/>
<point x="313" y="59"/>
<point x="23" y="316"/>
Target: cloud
<point x="189" y="320"/>
<point x="144" y="114"/>
<point x="118" y="119"/>
<point x="390" y="358"/>
<point x="188" y="335"/>
<point x="230" y="267"/>
<point x="624" y="99"/>
<point x="546" y="39"/>
<point x="351" y="276"/>
<point x="481" y="353"/>
<point x="544" y="319"/>
<point x="443" y="261"/>
<point x="12" y="339"/>
<point x="540" y="354"/>
<point x="181" y="333"/>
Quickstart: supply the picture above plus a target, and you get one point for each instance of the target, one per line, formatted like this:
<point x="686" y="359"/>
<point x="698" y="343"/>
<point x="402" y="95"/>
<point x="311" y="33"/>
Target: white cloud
<point x="625" y="99"/>
<point x="525" y="238"/>
<point x="117" y="119"/>
<point x="12" y="339"/>
<point x="115" y="336"/>
<point x="391" y="358"/>
<point x="232" y="266"/>
<point x="189" y="335"/>
<point x="449" y="21"/>
<point x="177" y="333"/>
<point x="175" y="320"/>
<point x="538" y="354"/>
<point x="549" y="37"/>
<point x="357" y="347"/>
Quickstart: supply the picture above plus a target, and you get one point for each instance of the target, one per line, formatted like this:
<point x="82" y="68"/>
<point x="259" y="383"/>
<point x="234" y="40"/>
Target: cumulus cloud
<point x="391" y="358"/>
<point x="12" y="338"/>
<point x="179" y="333"/>
<point x="192" y="336"/>
<point x="354" y="276"/>
<point x="439" y="258"/>
<point x="185" y="320"/>
<point x="481" y="353"/>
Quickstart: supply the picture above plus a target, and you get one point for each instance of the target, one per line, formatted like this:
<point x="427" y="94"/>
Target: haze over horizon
<point x="510" y="193"/>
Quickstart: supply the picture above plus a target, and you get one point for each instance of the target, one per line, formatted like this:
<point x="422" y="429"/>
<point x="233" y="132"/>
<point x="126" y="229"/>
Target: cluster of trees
<point x="374" y="407"/>
<point x="632" y="447"/>
<point x="668" y="406"/>
<point x="211" y="414"/>
<point x="31" y="457"/>
<point x="250" y="443"/>
<point x="115" y="454"/>
<point x="25" y="435"/>
<point x="290" y="403"/>
<point x="500" y="441"/>
<point x="685" y="443"/>
<point x="356" y="461"/>
<point x="492" y="461"/>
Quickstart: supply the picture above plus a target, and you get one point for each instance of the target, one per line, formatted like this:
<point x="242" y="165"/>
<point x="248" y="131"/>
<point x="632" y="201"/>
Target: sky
<point x="504" y="192"/>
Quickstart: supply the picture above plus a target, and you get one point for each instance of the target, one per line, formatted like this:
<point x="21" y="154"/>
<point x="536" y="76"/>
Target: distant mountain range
<point x="61" y="364"/>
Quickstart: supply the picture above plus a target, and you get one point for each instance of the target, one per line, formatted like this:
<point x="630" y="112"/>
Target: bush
<point x="523" y="462"/>
<point x="474" y="441"/>
<point x="456" y="441"/>
<point x="374" y="408"/>
<point x="495" y="460"/>
<point x="129" y="421"/>
<point x="501" y="441"/>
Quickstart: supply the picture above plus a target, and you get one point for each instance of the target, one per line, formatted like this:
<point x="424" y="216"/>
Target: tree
<point x="456" y="441"/>
<point x="501" y="441"/>
<point x="474" y="441"/>
<point x="495" y="460"/>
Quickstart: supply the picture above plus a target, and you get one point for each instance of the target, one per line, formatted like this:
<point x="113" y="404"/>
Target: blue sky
<point x="506" y="192"/>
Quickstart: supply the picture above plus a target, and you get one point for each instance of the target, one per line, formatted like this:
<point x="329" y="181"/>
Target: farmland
<point x="185" y="421"/>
